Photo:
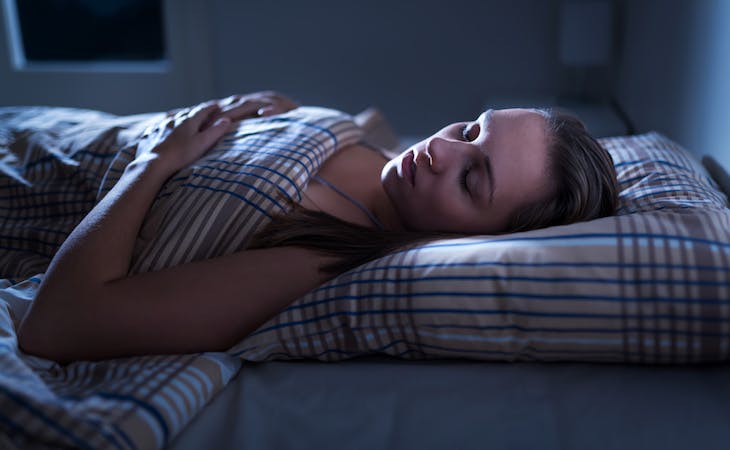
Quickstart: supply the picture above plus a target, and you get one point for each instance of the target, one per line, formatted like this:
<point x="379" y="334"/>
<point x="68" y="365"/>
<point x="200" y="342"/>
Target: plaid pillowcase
<point x="656" y="173"/>
<point x="650" y="285"/>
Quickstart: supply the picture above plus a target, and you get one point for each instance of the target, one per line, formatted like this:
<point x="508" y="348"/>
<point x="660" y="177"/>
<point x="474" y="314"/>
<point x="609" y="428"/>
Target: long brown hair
<point x="584" y="187"/>
<point x="582" y="174"/>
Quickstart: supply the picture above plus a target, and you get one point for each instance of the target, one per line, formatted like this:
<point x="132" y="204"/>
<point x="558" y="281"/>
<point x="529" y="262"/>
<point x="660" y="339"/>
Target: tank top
<point x="352" y="200"/>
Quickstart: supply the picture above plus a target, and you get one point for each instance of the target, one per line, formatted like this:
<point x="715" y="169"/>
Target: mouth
<point x="408" y="168"/>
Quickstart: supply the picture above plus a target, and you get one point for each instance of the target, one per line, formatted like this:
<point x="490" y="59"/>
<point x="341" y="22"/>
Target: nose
<point x="445" y="152"/>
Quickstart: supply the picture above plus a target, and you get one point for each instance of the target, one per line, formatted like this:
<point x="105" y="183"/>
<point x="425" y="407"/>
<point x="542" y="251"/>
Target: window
<point x="87" y="32"/>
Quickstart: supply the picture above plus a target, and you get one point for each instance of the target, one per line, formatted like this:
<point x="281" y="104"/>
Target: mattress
<point x="391" y="404"/>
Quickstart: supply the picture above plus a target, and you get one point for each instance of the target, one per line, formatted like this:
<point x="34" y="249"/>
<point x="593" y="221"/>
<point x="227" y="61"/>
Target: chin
<point x="412" y="222"/>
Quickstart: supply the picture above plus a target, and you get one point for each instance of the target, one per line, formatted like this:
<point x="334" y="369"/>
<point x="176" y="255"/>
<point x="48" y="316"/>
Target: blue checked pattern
<point x="56" y="164"/>
<point x="651" y="285"/>
<point x="648" y="286"/>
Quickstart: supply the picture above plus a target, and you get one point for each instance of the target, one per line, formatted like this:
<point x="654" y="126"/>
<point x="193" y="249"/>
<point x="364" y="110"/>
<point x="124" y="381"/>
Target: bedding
<point x="648" y="286"/>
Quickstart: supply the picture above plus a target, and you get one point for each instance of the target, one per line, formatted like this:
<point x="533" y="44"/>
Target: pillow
<point x="656" y="173"/>
<point x="649" y="286"/>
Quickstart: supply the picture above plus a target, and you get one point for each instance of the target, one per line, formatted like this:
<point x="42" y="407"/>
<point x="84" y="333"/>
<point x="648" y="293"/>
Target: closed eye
<point x="463" y="179"/>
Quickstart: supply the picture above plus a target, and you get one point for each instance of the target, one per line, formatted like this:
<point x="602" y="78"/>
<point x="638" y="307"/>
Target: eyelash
<point x="463" y="132"/>
<point x="462" y="179"/>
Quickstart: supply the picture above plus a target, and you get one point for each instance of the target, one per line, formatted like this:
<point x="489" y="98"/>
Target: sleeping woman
<point x="506" y="171"/>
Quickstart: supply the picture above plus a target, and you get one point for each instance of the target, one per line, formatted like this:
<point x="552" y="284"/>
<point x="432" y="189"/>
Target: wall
<point x="114" y="88"/>
<point x="424" y="63"/>
<point x="421" y="62"/>
<point x="674" y="73"/>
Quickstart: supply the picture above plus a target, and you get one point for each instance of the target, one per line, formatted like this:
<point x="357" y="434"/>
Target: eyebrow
<point x="487" y="162"/>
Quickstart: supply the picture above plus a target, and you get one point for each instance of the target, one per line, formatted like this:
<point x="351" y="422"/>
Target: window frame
<point x="19" y="62"/>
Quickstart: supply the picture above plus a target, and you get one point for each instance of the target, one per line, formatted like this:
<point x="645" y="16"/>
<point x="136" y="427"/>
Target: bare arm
<point x="88" y="308"/>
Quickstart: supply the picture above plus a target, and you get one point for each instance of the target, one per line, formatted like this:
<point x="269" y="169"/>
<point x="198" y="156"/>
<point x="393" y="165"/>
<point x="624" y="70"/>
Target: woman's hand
<point x="249" y="106"/>
<point x="183" y="138"/>
<point x="258" y="104"/>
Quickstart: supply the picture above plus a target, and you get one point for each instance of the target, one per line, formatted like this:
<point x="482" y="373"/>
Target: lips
<point x="408" y="168"/>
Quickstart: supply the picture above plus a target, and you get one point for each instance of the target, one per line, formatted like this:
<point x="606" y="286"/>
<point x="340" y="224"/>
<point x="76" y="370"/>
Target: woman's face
<point x="471" y="176"/>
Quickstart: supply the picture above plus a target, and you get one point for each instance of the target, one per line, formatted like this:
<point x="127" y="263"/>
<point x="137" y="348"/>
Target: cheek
<point x="431" y="208"/>
<point x="437" y="211"/>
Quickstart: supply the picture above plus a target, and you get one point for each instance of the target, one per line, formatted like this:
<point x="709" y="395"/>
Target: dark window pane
<point x="91" y="30"/>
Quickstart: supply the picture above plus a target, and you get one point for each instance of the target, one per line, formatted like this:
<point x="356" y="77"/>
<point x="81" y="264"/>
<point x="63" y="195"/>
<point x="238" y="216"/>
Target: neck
<point x="384" y="210"/>
<point x="356" y="170"/>
<point x="368" y="188"/>
<point x="379" y="203"/>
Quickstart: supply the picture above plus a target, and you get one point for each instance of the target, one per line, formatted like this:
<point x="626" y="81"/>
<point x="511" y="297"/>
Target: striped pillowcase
<point x="650" y="285"/>
<point x="656" y="173"/>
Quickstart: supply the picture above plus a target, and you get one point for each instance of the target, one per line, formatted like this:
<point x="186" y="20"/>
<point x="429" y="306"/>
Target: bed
<point x="606" y="334"/>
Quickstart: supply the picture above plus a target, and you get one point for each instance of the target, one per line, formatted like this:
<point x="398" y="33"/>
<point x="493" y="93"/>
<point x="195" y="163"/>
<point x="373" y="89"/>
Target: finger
<point x="243" y="111"/>
<point x="213" y="133"/>
<point x="164" y="125"/>
<point x="270" y="110"/>
<point x="284" y="101"/>
<point x="275" y="108"/>
<point x="206" y="106"/>
<point x="173" y="112"/>
<point x="209" y="103"/>
<point x="210" y="120"/>
<point x="202" y="113"/>
<point x="180" y="114"/>
<point x="179" y="118"/>
<point x="233" y="99"/>
<point x="148" y="131"/>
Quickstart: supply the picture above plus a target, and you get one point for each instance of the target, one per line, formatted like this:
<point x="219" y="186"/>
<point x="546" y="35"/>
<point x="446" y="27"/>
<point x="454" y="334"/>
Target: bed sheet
<point x="391" y="404"/>
<point x="144" y="402"/>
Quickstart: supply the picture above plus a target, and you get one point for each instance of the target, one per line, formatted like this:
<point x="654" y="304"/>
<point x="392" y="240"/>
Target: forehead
<point x="517" y="145"/>
<point x="517" y="129"/>
<point x="520" y="116"/>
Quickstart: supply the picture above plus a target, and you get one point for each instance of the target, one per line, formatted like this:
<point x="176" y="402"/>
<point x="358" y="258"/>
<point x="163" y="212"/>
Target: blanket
<point x="57" y="163"/>
<point x="650" y="285"/>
